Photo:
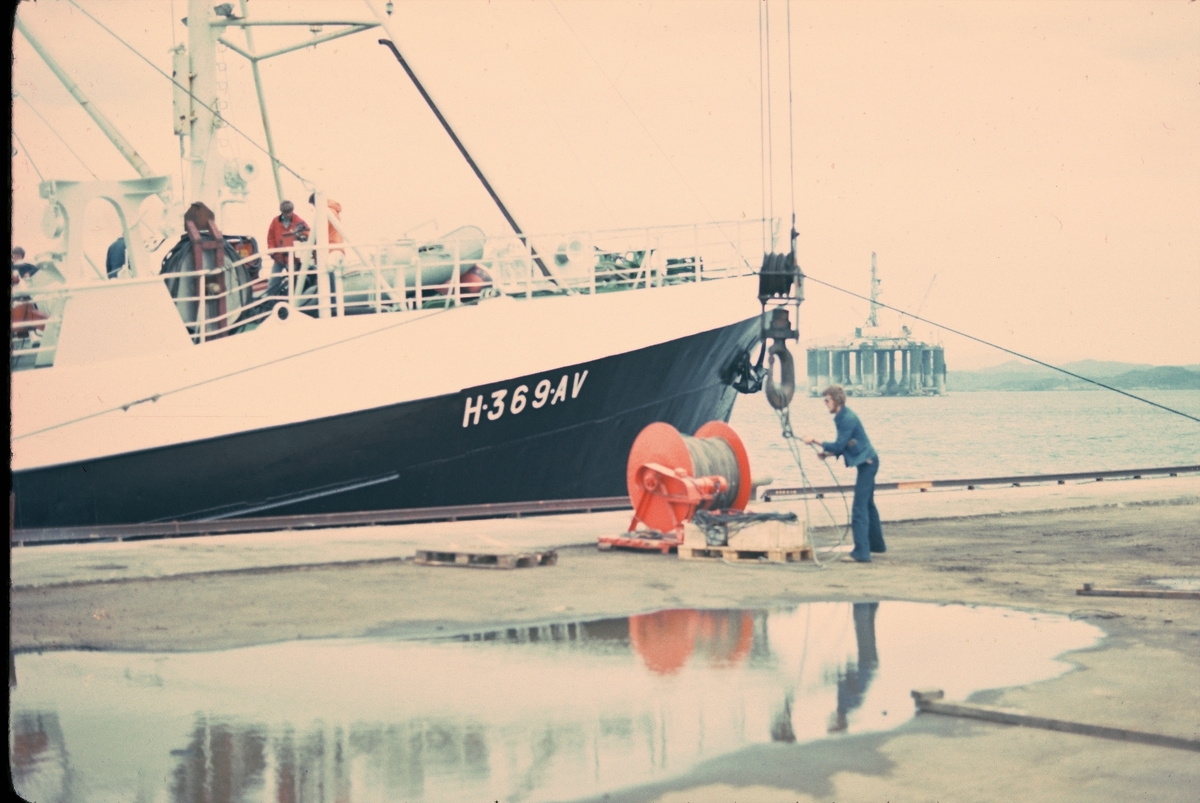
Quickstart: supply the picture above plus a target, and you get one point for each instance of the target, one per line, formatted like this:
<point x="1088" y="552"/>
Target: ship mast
<point x="205" y="32"/>
<point x="202" y="52"/>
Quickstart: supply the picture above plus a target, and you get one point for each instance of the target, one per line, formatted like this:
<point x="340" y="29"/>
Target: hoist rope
<point x="721" y="525"/>
<point x="770" y="118"/>
<point x="791" y="120"/>
<point x="762" y="130"/>
<point x="811" y="278"/>
<point x="794" y="446"/>
<point x="215" y="112"/>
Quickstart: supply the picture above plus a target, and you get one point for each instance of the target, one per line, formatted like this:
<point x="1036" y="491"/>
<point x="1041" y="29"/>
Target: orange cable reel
<point x="670" y="476"/>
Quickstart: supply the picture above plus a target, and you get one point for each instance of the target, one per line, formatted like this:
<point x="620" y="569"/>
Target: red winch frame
<point x="664" y="491"/>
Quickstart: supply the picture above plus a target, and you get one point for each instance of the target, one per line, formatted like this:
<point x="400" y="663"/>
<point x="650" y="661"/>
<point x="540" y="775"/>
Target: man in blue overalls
<point x="853" y="445"/>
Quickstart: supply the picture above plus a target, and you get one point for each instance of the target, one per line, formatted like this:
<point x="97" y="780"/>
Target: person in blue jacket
<point x="114" y="260"/>
<point x="855" y="448"/>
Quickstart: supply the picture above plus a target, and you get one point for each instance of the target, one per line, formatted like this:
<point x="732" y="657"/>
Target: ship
<point x="468" y="369"/>
<point x="876" y="361"/>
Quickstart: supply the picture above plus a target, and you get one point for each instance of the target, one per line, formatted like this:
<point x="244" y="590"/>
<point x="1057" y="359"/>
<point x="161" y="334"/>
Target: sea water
<point x="981" y="434"/>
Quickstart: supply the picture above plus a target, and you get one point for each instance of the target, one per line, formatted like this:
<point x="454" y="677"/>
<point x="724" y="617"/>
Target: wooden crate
<point x="734" y="555"/>
<point x="762" y="536"/>
<point x="485" y="560"/>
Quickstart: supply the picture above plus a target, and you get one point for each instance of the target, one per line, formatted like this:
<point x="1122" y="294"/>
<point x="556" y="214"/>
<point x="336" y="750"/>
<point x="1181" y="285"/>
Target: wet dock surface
<point x="1141" y="676"/>
<point x="546" y="712"/>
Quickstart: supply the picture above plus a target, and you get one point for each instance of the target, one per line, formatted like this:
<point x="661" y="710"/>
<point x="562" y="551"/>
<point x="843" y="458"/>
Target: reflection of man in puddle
<point x="853" y="683"/>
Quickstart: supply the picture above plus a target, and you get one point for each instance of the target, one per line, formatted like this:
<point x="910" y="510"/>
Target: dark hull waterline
<point x="569" y="438"/>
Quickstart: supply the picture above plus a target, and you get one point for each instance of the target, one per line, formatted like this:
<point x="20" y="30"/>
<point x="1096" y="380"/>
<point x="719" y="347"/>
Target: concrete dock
<point x="34" y="566"/>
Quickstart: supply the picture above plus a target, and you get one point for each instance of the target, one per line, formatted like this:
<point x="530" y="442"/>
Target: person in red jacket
<point x="335" y="218"/>
<point x="284" y="231"/>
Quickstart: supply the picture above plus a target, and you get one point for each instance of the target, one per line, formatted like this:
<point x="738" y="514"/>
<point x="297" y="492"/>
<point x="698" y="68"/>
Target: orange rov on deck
<point x="670" y="476"/>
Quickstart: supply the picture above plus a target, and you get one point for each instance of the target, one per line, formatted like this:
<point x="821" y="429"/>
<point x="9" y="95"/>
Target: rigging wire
<point x="791" y="121"/>
<point x="794" y="446"/>
<point x="812" y="278"/>
<point x="214" y="111"/>
<point x="548" y="114"/>
<point x="695" y="196"/>
<point x="770" y="119"/>
<point x="245" y="370"/>
<point x="28" y="157"/>
<point x="54" y="131"/>
<point x="762" y="129"/>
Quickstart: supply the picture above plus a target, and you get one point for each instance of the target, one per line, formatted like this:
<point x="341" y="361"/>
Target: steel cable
<point x="215" y="113"/>
<point x="1002" y="348"/>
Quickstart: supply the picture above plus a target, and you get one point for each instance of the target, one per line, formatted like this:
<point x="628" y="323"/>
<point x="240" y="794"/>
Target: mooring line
<point x="812" y="278"/>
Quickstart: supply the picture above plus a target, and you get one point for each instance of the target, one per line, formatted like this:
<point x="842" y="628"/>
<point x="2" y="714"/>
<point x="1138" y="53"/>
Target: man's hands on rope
<point x="810" y="440"/>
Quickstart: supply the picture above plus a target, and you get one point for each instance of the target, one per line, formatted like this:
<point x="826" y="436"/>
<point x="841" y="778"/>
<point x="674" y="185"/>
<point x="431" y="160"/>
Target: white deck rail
<point x="404" y="276"/>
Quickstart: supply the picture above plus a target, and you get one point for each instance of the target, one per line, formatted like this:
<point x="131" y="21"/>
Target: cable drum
<point x="660" y="450"/>
<point x="714" y="456"/>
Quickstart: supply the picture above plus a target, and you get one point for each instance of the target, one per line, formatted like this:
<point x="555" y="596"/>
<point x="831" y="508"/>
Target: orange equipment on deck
<point x="670" y="476"/>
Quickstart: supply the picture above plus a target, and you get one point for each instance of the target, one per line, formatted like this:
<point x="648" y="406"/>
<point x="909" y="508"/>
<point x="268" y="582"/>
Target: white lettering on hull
<point x="502" y="402"/>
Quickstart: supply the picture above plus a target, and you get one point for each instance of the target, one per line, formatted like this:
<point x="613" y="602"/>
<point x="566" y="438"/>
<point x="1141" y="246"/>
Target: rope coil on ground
<point x="720" y="525"/>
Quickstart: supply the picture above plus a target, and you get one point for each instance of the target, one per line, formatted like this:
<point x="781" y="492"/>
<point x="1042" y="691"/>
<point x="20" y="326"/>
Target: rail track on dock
<point x="176" y="529"/>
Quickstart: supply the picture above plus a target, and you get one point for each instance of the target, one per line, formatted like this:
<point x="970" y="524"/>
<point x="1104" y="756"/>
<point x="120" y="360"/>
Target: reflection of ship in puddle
<point x="533" y="713"/>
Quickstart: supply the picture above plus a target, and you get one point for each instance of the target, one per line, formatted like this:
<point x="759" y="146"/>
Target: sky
<point x="1028" y="173"/>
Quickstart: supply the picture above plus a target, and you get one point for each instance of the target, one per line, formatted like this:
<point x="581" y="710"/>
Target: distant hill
<point x="1163" y="376"/>
<point x="1017" y="375"/>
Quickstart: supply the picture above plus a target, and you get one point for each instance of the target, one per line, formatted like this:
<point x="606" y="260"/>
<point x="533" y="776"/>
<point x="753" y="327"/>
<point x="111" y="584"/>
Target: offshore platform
<point x="878" y="363"/>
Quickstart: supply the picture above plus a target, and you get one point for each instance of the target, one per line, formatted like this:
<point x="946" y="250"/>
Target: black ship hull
<point x="558" y="434"/>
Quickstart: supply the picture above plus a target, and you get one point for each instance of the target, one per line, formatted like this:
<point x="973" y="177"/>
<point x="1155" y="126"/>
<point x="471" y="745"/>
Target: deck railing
<point x="404" y="276"/>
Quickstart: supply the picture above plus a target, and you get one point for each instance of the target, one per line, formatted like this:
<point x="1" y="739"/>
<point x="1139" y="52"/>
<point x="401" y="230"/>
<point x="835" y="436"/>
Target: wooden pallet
<point x="640" y="540"/>
<point x="781" y="555"/>
<point x="485" y="560"/>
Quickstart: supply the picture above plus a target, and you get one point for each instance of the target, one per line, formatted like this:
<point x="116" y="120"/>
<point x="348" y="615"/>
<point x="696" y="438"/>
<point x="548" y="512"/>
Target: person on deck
<point x="283" y="232"/>
<point x="335" y="219"/>
<point x="855" y="448"/>
<point x="114" y="260"/>
<point x="21" y="268"/>
<point x="199" y="215"/>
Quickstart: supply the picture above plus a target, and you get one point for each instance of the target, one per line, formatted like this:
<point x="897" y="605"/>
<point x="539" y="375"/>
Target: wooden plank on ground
<point x="928" y="701"/>
<point x="732" y="555"/>
<point x="485" y="560"/>
<point x="1164" y="593"/>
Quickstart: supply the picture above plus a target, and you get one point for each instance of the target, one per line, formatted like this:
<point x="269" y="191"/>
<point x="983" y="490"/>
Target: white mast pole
<point x="262" y="103"/>
<point x="202" y="48"/>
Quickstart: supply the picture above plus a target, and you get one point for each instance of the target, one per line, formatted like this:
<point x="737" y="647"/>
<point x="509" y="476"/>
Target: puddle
<point x="1179" y="583"/>
<point x="521" y="714"/>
